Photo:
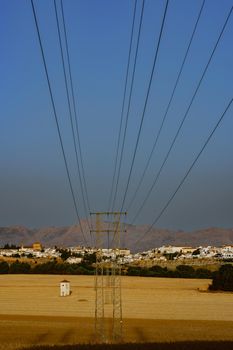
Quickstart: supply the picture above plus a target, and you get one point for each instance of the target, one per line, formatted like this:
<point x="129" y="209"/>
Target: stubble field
<point x="154" y="309"/>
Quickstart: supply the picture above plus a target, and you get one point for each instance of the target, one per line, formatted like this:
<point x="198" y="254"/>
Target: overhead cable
<point x="188" y="172"/>
<point x="123" y="106"/>
<point x="129" y="103"/>
<point x="56" y="121"/>
<point x="75" y="108"/>
<point x="184" y="117"/>
<point x="145" y="104"/>
<point x="70" y="112"/>
<point x="74" y="105"/>
<point x="166" y="111"/>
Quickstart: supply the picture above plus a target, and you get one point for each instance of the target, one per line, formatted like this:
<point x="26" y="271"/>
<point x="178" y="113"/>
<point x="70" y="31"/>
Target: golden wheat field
<point x="154" y="309"/>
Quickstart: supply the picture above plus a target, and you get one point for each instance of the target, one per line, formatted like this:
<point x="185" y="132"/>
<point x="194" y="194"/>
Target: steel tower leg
<point x="99" y="285"/>
<point x="116" y="284"/>
<point x="108" y="285"/>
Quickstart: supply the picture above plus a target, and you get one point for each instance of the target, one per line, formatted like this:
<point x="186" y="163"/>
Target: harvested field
<point x="195" y="345"/>
<point x="154" y="309"/>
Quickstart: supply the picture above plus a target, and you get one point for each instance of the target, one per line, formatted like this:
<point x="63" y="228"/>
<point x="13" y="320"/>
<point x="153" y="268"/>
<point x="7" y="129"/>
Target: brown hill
<point x="159" y="237"/>
<point x="134" y="238"/>
<point x="16" y="235"/>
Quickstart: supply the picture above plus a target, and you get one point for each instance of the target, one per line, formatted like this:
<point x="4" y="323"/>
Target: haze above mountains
<point x="72" y="236"/>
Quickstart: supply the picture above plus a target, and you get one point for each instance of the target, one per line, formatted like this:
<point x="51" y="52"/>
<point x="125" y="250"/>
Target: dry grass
<point x="154" y="309"/>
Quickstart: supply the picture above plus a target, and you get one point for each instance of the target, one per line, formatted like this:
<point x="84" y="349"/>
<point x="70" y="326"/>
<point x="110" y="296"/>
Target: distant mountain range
<point x="134" y="238"/>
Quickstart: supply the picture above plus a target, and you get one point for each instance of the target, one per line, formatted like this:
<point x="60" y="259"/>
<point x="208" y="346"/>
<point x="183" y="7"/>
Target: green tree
<point x="185" y="271"/>
<point x="19" y="267"/>
<point x="203" y="273"/>
<point x="12" y="246"/>
<point x="171" y="256"/>
<point x="4" y="267"/>
<point x="134" y="271"/>
<point x="196" y="252"/>
<point x="158" y="271"/>
<point x="89" y="259"/>
<point x="223" y="278"/>
<point x="65" y="254"/>
<point x="51" y="267"/>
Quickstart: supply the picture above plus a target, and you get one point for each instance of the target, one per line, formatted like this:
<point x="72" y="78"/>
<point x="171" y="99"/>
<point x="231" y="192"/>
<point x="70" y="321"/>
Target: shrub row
<point x="51" y="267"/>
<point x="181" y="271"/>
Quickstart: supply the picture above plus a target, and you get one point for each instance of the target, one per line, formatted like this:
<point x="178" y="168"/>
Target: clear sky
<point x="34" y="190"/>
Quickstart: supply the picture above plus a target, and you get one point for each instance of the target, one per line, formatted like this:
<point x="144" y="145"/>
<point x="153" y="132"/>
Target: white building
<point x="170" y="249"/>
<point x="64" y="288"/>
<point x="73" y="260"/>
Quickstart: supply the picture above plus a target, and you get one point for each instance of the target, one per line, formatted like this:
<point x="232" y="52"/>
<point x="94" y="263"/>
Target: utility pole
<point x="108" y="278"/>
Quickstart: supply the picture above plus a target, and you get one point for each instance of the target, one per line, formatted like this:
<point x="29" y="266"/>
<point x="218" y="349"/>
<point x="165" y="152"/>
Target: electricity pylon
<point x="108" y="279"/>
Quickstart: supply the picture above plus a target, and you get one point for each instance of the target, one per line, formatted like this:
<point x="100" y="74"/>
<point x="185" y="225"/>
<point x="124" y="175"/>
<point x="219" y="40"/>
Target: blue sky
<point x="33" y="183"/>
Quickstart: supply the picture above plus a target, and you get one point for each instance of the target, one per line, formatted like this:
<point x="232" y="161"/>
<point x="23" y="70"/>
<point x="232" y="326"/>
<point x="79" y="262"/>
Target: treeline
<point x="49" y="268"/>
<point x="87" y="268"/>
<point x="181" y="271"/>
<point x="221" y="279"/>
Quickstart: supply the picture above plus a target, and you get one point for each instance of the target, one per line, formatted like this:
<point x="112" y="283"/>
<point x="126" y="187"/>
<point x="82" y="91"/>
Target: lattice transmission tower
<point x="108" y="278"/>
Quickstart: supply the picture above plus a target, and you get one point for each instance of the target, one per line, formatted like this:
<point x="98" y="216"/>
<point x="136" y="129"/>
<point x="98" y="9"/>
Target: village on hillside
<point x="156" y="256"/>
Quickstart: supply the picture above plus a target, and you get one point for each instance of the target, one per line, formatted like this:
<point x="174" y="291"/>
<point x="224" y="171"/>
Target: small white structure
<point x="64" y="288"/>
<point x="73" y="260"/>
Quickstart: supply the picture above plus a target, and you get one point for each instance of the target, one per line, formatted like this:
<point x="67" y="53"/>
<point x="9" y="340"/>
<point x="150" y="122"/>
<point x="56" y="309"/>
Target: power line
<point x="129" y="103"/>
<point x="75" y="108"/>
<point x="187" y="173"/>
<point x="145" y="104"/>
<point x="184" y="118"/>
<point x="69" y="107"/>
<point x="167" y="109"/>
<point x="56" y="120"/>
<point x="123" y="105"/>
